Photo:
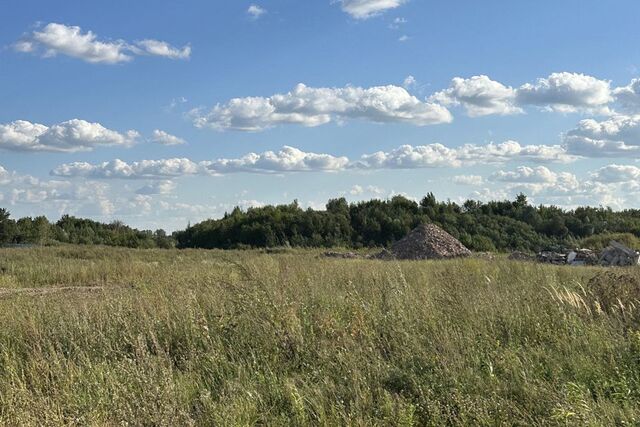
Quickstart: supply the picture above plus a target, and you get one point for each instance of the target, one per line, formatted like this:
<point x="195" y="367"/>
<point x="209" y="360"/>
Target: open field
<point x="103" y="336"/>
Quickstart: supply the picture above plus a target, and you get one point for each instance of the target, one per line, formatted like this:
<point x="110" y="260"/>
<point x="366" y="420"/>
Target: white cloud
<point x="160" y="48"/>
<point x="409" y="82"/>
<point x="364" y="9"/>
<point x="54" y="39"/>
<point x="618" y="136"/>
<point x="359" y="190"/>
<point x="375" y="190"/>
<point x="479" y="95"/>
<point x="157" y="187"/>
<point x="617" y="173"/>
<point x="356" y="190"/>
<point x="309" y="106"/>
<point x="410" y="157"/>
<point x="541" y="181"/>
<point x="612" y="185"/>
<point x="70" y="136"/>
<point x="403" y="38"/>
<point x="118" y="169"/>
<point x="560" y="92"/>
<point x="24" y="46"/>
<point x="526" y="174"/>
<point x="567" y="92"/>
<point x="256" y="11"/>
<point x="164" y="138"/>
<point x="438" y="155"/>
<point x="513" y="150"/>
<point x="629" y="96"/>
<point x="288" y="159"/>
<point x="26" y="190"/>
<point x="488" y="194"/>
<point x="471" y="180"/>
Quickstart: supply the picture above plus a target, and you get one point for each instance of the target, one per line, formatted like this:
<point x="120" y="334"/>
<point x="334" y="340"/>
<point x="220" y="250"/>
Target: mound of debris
<point x="550" y="257"/>
<point x="617" y="254"/>
<point x="582" y="257"/>
<point x="428" y="241"/>
<point x="384" y="254"/>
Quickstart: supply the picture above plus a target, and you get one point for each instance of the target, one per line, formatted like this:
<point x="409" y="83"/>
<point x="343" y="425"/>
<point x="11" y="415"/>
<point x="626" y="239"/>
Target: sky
<point x="160" y="113"/>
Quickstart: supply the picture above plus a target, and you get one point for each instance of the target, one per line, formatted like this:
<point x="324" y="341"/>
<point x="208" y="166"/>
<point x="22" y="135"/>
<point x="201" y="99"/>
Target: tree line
<point x="69" y="229"/>
<point x="491" y="226"/>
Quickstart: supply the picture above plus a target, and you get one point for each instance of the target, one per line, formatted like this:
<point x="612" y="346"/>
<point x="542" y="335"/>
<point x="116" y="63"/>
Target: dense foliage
<point x="68" y="229"/>
<point x="491" y="226"/>
<point x="497" y="225"/>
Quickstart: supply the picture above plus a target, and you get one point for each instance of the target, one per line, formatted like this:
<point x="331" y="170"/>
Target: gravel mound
<point x="428" y="241"/>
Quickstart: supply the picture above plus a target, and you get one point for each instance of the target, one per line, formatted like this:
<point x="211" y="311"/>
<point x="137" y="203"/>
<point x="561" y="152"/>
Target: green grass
<point x="245" y="338"/>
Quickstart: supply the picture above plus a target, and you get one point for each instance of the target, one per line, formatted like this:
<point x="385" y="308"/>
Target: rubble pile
<point x="582" y="257"/>
<point x="550" y="257"/>
<point x="428" y="241"/>
<point x="384" y="254"/>
<point x="617" y="254"/>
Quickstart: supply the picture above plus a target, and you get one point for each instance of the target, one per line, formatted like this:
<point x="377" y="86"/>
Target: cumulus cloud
<point x="480" y="96"/>
<point x="541" y="181"/>
<point x="618" y="136"/>
<point x="539" y="174"/>
<point x="365" y="9"/>
<point x="616" y="173"/>
<point x="288" y="159"/>
<point x="561" y="92"/>
<point x="410" y="157"/>
<point x="157" y="187"/>
<point x="471" y="180"/>
<point x="612" y="185"/>
<point x="54" y="39"/>
<point x="21" y="190"/>
<point x="118" y="169"/>
<point x="70" y="136"/>
<point x="438" y="155"/>
<point x="567" y="92"/>
<point x="164" y="138"/>
<point x="409" y="82"/>
<point x="309" y="106"/>
<point x="256" y="11"/>
<point x="629" y="96"/>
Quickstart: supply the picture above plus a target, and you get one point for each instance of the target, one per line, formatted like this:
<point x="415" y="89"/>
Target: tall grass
<point x="245" y="338"/>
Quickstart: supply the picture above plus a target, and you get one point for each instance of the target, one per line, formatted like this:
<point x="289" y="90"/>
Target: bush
<point x="601" y="241"/>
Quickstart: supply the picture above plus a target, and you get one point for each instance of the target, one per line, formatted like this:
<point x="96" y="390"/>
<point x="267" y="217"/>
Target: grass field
<point x="101" y="336"/>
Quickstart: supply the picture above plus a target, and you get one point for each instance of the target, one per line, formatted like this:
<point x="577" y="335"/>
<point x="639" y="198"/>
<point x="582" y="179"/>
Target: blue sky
<point x="159" y="113"/>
